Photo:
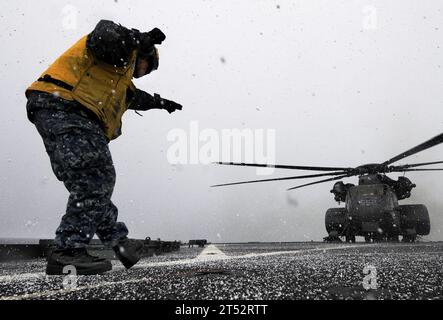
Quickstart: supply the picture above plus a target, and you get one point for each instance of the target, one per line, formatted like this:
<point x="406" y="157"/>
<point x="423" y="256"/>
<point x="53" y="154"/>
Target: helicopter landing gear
<point x="378" y="238"/>
<point x="392" y="238"/>
<point x="332" y="239"/>
<point x="409" y="238"/>
<point x="349" y="231"/>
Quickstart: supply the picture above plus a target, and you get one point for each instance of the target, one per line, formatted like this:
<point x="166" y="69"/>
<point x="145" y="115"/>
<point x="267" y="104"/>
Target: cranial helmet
<point x="152" y="56"/>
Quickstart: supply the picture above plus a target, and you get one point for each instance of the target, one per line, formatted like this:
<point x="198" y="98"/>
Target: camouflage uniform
<point x="80" y="157"/>
<point x="76" y="141"/>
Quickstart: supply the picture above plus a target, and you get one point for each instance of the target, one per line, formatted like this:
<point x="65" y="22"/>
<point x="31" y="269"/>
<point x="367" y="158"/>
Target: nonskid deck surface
<point x="249" y="271"/>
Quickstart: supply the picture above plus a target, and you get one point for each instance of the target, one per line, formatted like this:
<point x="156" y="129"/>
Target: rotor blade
<point x="406" y="166"/>
<point x="407" y="170"/>
<point x="425" y="145"/>
<point x="277" y="166"/>
<point x="279" y="179"/>
<point x="320" y="181"/>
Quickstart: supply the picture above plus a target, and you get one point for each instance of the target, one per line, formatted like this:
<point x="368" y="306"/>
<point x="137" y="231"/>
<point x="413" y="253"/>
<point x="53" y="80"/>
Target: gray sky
<point x="343" y="83"/>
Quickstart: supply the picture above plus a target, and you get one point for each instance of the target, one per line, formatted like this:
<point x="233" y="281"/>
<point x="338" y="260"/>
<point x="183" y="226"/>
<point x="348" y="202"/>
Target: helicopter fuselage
<point x="372" y="211"/>
<point x="371" y="207"/>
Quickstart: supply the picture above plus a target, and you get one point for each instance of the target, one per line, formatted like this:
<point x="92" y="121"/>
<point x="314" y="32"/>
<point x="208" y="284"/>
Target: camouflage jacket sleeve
<point x="112" y="43"/>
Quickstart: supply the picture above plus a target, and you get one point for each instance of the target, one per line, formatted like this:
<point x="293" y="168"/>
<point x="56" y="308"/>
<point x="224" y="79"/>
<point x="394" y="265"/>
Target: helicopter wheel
<point x="378" y="238"/>
<point x="392" y="239"/>
<point x="350" y="239"/>
<point x="407" y="238"/>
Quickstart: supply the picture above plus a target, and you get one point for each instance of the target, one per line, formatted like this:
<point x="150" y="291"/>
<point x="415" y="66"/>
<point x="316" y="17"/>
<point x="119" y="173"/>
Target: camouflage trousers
<point x="80" y="158"/>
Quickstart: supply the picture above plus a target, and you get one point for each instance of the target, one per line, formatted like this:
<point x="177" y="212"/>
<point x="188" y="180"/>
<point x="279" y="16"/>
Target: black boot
<point x="128" y="251"/>
<point x="84" y="263"/>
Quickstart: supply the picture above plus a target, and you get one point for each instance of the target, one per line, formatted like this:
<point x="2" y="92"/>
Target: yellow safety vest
<point x="96" y="85"/>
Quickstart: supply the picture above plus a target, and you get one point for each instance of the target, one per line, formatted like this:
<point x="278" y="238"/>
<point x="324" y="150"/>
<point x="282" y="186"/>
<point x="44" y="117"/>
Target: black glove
<point x="148" y="39"/>
<point x="167" y="105"/>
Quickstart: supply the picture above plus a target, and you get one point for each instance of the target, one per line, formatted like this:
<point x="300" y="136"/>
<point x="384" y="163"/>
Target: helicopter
<point x="371" y="207"/>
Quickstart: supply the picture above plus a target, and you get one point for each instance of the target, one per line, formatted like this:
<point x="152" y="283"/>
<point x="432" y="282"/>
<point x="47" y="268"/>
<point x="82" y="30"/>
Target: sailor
<point x="77" y="106"/>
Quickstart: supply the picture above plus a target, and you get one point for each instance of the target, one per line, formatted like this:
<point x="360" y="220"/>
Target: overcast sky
<point x="342" y="83"/>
